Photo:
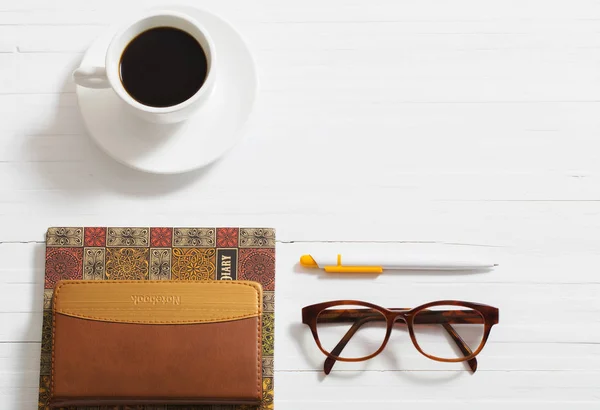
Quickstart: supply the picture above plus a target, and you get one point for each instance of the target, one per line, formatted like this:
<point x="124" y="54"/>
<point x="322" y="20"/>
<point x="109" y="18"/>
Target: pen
<point x="365" y="264"/>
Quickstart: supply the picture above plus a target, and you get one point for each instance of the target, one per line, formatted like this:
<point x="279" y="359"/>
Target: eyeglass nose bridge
<point x="401" y="315"/>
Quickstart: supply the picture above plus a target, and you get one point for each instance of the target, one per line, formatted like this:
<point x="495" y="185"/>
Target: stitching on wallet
<point x="259" y="347"/>
<point x="53" y="333"/>
<point x="66" y="313"/>
<point x="252" y="285"/>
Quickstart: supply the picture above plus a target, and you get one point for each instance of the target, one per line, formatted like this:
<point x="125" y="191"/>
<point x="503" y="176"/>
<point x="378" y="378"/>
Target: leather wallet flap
<point x="156" y="343"/>
<point x="159" y="302"/>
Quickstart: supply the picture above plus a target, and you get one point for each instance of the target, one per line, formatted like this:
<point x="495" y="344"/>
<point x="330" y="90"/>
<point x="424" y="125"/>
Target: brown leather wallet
<point x="156" y="342"/>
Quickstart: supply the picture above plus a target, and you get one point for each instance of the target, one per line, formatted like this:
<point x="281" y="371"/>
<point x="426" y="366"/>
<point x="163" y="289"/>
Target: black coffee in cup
<point x="162" y="67"/>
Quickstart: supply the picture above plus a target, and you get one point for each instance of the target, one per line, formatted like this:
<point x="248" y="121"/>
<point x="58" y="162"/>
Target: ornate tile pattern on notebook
<point x="134" y="253"/>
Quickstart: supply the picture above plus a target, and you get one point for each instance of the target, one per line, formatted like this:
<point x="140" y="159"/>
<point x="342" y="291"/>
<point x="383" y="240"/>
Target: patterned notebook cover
<point x="162" y="254"/>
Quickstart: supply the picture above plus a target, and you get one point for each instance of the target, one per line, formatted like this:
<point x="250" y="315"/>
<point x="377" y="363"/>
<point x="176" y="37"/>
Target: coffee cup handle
<point x="91" y="77"/>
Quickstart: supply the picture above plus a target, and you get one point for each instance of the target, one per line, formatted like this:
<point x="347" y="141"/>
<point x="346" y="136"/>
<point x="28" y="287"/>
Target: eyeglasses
<point x="446" y="330"/>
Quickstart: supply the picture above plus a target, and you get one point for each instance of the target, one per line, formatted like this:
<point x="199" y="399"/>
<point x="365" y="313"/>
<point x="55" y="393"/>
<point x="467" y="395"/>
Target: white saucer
<point x="181" y="147"/>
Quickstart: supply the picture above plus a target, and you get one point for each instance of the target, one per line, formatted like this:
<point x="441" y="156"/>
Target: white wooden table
<point x="470" y="127"/>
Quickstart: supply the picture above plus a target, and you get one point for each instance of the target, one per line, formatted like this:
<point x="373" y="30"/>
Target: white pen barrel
<point x="439" y="265"/>
<point x="405" y="263"/>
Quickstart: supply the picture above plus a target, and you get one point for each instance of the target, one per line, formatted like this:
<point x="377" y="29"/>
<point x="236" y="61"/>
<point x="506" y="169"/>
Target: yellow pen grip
<point x="353" y="269"/>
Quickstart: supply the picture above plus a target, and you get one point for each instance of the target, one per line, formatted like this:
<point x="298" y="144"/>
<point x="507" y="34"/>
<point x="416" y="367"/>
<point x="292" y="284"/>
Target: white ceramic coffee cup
<point x="109" y="77"/>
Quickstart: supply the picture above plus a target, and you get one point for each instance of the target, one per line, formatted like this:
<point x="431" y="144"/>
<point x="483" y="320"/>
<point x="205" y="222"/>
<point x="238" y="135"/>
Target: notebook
<point x="134" y="253"/>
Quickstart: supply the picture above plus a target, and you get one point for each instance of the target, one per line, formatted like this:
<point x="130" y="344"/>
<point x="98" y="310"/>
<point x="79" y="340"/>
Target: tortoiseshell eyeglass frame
<point x="477" y="314"/>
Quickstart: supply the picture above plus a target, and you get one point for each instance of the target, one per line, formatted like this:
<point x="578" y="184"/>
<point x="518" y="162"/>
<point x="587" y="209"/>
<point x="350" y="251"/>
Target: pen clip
<point x="339" y="268"/>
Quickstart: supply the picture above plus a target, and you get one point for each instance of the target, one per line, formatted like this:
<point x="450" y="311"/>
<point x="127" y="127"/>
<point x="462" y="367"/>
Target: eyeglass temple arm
<point x="464" y="348"/>
<point x="445" y="318"/>
<point x="330" y="361"/>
